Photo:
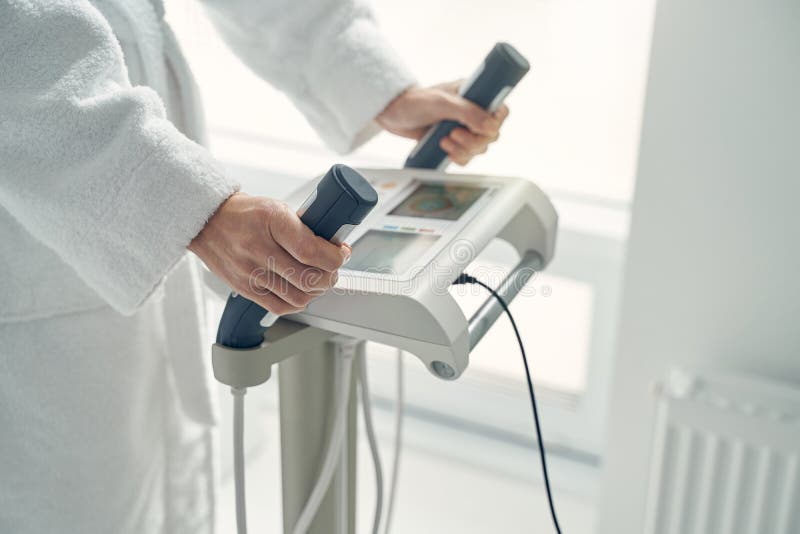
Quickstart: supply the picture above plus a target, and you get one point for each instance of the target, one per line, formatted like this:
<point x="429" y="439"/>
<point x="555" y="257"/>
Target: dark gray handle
<point x="502" y="69"/>
<point x="343" y="198"/>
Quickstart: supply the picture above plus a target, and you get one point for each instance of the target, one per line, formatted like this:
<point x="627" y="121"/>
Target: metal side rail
<point x="483" y="319"/>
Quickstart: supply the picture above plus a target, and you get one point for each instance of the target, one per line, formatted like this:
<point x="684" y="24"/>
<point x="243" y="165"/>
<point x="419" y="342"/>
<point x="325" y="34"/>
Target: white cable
<point x="398" y="441"/>
<point x="238" y="458"/>
<point x="344" y="366"/>
<point x="343" y="493"/>
<point x="366" y="406"/>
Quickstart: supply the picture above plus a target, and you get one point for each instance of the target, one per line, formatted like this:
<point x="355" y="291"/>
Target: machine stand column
<point x="307" y="399"/>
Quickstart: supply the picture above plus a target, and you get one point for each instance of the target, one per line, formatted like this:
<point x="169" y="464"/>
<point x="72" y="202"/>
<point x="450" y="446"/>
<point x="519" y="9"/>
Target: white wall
<point x="714" y="255"/>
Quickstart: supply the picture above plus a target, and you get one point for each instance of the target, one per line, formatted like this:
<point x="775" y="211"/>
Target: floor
<point x="438" y="493"/>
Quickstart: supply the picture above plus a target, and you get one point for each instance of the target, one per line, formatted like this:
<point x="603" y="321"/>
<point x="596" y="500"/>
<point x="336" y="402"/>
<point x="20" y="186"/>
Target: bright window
<point x="574" y="130"/>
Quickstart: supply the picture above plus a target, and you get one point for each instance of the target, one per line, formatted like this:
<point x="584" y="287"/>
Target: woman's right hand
<point x="264" y="251"/>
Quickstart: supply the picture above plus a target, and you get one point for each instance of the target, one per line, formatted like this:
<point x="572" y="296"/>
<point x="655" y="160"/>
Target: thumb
<point x="455" y="107"/>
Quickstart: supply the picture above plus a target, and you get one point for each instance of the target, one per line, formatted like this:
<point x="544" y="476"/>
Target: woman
<point x="105" y="413"/>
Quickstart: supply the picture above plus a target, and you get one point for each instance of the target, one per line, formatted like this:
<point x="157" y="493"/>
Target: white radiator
<point x="726" y="457"/>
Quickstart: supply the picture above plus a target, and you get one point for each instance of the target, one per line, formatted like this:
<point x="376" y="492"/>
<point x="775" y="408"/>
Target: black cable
<point x="467" y="279"/>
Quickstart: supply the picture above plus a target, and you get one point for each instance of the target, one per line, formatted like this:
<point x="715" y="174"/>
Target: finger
<point x="474" y="144"/>
<point x="273" y="303"/>
<point x="455" y="152"/>
<point x="303" y="277"/>
<point x="501" y="113"/>
<point x="349" y="251"/>
<point x="474" y="117"/>
<point x="262" y="282"/>
<point x="451" y="87"/>
<point x="247" y="282"/>
<point x="473" y="147"/>
<point x="298" y="240"/>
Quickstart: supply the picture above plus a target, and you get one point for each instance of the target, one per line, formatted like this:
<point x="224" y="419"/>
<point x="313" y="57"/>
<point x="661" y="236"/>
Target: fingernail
<point x="347" y="258"/>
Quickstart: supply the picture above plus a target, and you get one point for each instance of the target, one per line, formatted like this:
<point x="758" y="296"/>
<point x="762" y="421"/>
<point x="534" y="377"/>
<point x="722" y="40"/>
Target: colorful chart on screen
<point x="438" y="201"/>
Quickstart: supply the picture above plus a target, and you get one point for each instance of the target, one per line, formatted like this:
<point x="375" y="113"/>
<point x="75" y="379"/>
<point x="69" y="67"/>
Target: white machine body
<point x="427" y="228"/>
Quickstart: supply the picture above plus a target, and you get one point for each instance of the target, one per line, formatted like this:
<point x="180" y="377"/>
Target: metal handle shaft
<point x="483" y="319"/>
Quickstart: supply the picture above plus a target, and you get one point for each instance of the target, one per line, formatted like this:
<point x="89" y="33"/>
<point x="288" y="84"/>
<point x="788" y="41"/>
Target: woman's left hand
<point x="418" y="108"/>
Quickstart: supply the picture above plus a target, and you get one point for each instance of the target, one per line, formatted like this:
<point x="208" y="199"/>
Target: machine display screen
<point x="438" y="201"/>
<point x="383" y="252"/>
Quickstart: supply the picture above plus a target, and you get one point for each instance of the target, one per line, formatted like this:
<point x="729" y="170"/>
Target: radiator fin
<point x="725" y="457"/>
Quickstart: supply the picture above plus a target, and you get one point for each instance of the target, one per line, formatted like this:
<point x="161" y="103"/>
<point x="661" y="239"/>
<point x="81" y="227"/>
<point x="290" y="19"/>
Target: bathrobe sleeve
<point x="88" y="164"/>
<point x="328" y="56"/>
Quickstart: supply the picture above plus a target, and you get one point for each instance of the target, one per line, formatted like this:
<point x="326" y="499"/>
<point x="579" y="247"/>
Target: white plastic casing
<point x="414" y="311"/>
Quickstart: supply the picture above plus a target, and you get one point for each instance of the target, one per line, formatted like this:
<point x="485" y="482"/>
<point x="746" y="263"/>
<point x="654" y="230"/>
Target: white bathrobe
<point x="105" y="407"/>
